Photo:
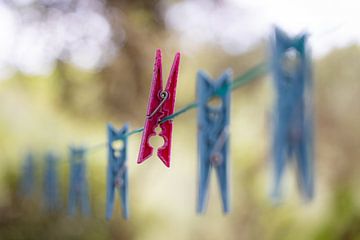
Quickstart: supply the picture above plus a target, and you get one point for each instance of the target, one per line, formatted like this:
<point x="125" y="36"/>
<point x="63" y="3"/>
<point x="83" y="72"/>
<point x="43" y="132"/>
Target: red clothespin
<point x="161" y="104"/>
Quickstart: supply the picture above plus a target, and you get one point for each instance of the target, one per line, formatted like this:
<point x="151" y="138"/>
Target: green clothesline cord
<point x="252" y="74"/>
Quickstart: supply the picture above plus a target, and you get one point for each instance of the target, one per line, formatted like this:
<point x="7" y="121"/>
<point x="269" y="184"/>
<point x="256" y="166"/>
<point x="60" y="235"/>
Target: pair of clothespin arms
<point x="27" y="178"/>
<point x="293" y="114"/>
<point x="78" y="190"/>
<point x="117" y="171"/>
<point x="51" y="183"/>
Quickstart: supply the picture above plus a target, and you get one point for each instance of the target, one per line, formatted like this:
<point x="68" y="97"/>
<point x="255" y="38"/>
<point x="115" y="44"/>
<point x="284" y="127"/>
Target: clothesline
<point x="253" y="73"/>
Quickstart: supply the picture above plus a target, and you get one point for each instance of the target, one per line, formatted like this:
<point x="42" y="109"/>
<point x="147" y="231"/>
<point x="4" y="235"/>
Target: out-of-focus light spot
<point x="30" y="54"/>
<point x="8" y="26"/>
<point x="237" y="25"/>
<point x="225" y="24"/>
<point x="88" y="45"/>
<point x="31" y="41"/>
<point x="23" y="2"/>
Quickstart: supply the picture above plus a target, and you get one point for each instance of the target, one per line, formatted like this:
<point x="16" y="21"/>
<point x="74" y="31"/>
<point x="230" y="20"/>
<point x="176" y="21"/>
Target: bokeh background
<point x="67" y="67"/>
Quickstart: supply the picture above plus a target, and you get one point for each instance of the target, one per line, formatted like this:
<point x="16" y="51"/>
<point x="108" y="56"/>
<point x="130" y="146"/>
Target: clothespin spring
<point x="164" y="95"/>
<point x="215" y="157"/>
<point x="119" y="182"/>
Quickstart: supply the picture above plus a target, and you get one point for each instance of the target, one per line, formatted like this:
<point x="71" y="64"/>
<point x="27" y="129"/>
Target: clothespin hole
<point x="290" y="61"/>
<point x="214" y="102"/>
<point x="117" y="145"/>
<point x="156" y="141"/>
<point x="117" y="154"/>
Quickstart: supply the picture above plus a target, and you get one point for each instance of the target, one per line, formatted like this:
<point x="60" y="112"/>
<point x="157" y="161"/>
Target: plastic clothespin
<point x="213" y="135"/>
<point x="292" y="116"/>
<point x="161" y="104"/>
<point x="78" y="190"/>
<point x="27" y="178"/>
<point x="51" y="188"/>
<point x="117" y="174"/>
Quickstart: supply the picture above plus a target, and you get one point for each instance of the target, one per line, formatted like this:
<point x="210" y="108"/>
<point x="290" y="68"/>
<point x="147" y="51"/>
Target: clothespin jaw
<point x="161" y="104"/>
<point x="117" y="173"/>
<point x="290" y="60"/>
<point x="292" y="117"/>
<point x="213" y="135"/>
<point x="283" y="41"/>
<point x="51" y="188"/>
<point x="78" y="190"/>
<point x="27" y="178"/>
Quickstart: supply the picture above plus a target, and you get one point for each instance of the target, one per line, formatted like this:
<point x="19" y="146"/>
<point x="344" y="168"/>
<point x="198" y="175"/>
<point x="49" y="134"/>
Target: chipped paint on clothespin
<point x="78" y="190"/>
<point x="213" y="135"/>
<point x="161" y="104"/>
<point x="293" y="116"/>
<point x="51" y="184"/>
<point x="27" y="178"/>
<point x="117" y="173"/>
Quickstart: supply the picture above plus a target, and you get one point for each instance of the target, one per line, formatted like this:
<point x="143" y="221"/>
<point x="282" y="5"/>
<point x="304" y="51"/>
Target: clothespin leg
<point x="85" y="205"/>
<point x="280" y="150"/>
<point x="203" y="186"/>
<point x="222" y="175"/>
<point x="305" y="173"/>
<point x="110" y="196"/>
<point x="72" y="202"/>
<point x="124" y="195"/>
<point x="51" y="185"/>
<point x="27" y="180"/>
<point x="164" y="152"/>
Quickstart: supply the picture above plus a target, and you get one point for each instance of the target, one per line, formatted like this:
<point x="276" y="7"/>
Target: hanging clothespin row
<point x="78" y="190"/>
<point x="117" y="173"/>
<point x="51" y="184"/>
<point x="213" y="99"/>
<point x="27" y="178"/>
<point x="161" y="104"/>
<point x="293" y="114"/>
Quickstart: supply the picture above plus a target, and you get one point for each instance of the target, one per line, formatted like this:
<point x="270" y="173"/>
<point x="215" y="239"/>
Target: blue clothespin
<point x="78" y="191"/>
<point x="51" y="184"/>
<point x="117" y="174"/>
<point x="27" y="178"/>
<point x="213" y="135"/>
<point x="293" y="116"/>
